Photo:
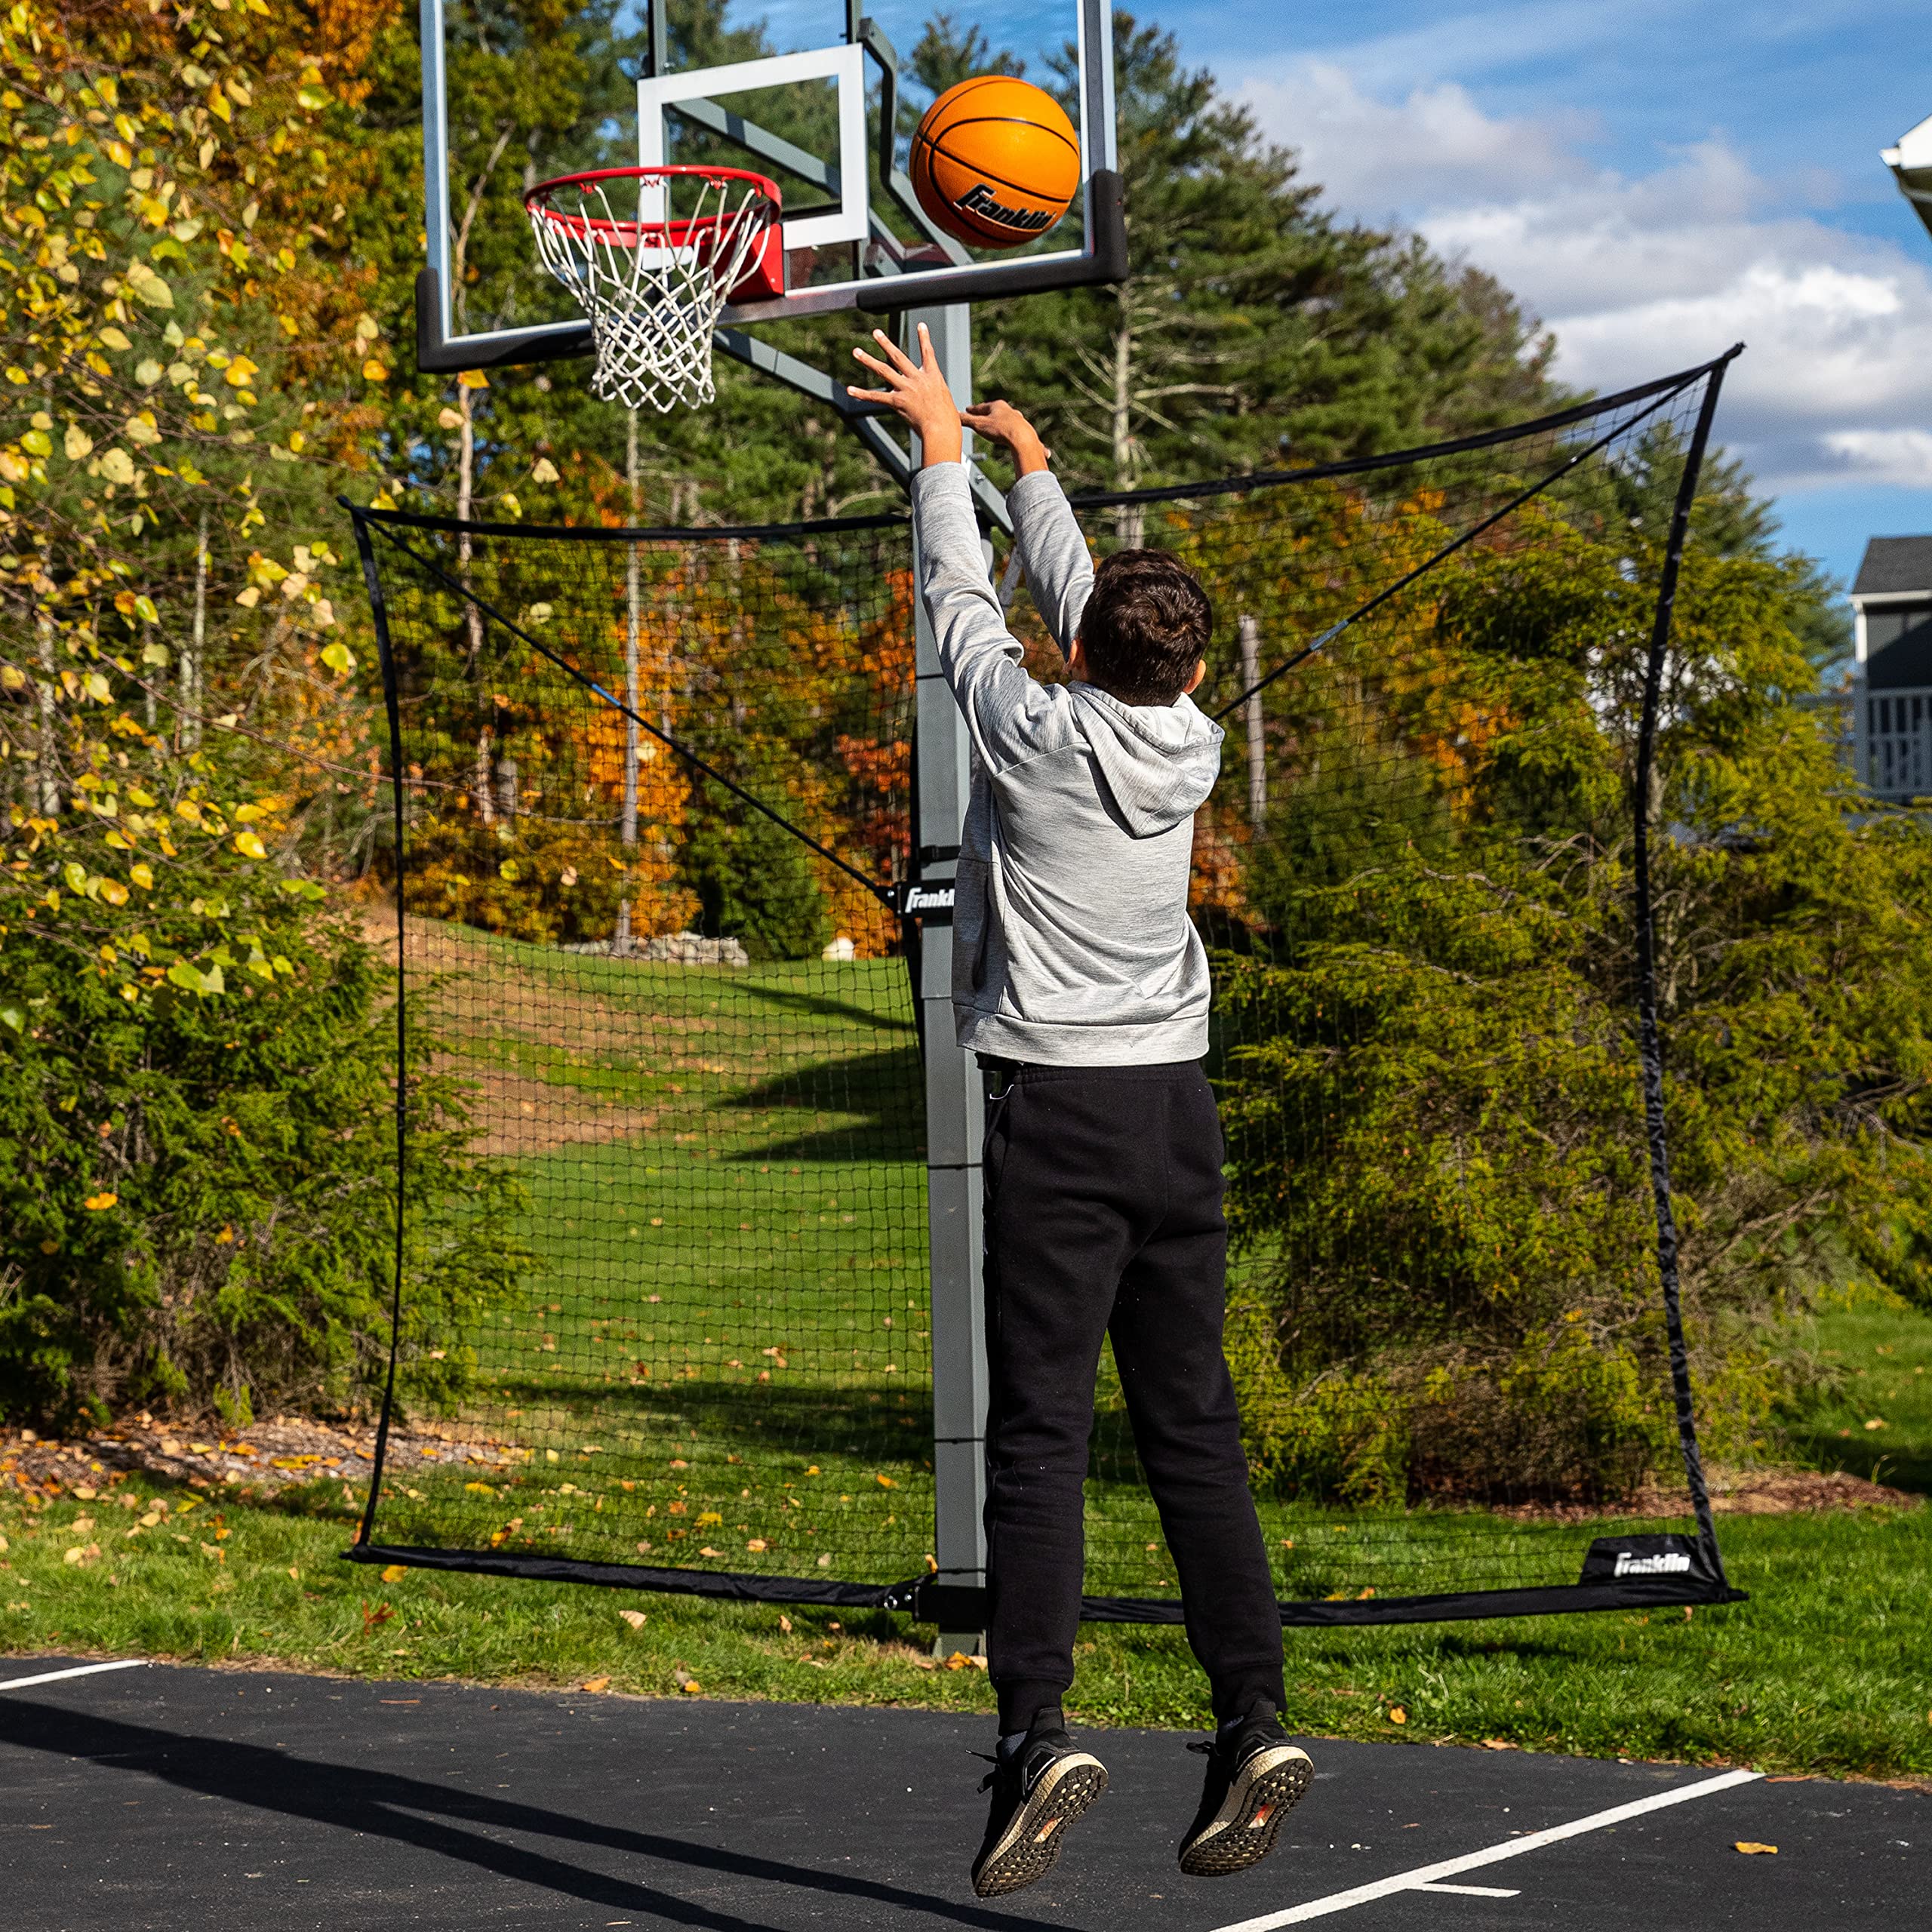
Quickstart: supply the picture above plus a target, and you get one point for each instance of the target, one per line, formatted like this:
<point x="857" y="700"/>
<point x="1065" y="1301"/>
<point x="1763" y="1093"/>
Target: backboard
<point x="825" y="106"/>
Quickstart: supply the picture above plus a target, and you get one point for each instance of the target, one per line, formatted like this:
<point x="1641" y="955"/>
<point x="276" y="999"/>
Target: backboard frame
<point x="1101" y="258"/>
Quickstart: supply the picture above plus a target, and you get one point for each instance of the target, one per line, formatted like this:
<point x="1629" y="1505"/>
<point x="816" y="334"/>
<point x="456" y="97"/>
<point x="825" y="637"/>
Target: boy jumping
<point x="1081" y="984"/>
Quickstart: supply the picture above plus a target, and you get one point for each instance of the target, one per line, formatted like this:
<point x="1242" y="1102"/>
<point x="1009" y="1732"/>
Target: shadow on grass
<point x="885" y="1090"/>
<point x="870" y="1424"/>
<point x="829" y="1008"/>
<point x="1904" y="1465"/>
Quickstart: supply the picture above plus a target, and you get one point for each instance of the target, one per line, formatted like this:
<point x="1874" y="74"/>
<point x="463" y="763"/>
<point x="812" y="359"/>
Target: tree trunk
<point x="1257" y="757"/>
<point x="465" y="491"/>
<point x="482" y="791"/>
<point x="49" y="772"/>
<point x="627" y="824"/>
<point x="1129" y="524"/>
<point x="189" y="677"/>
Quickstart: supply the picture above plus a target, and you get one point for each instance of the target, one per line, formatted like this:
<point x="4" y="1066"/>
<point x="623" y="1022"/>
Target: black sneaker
<point x="1037" y="1794"/>
<point x="1255" y="1778"/>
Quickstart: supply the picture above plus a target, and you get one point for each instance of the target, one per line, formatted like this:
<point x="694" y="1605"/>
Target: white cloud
<point x="1436" y="146"/>
<point x="1900" y="457"/>
<point x="1641" y="274"/>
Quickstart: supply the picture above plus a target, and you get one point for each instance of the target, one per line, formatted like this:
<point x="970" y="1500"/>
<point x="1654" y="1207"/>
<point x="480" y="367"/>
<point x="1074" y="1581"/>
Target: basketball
<point x="996" y="161"/>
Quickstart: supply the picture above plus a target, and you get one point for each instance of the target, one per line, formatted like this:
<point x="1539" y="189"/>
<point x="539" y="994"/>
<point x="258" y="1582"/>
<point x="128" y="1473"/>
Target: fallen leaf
<point x="924" y="1663"/>
<point x="596" y="1684"/>
<point x="1751" y="1847"/>
<point x="785" y="1624"/>
<point x="757" y="1543"/>
<point x="1498" y="1744"/>
<point x="885" y="1482"/>
<point x="394" y="1572"/>
<point x="1877" y="1422"/>
<point x="1397" y="1714"/>
<point x="635" y="1618"/>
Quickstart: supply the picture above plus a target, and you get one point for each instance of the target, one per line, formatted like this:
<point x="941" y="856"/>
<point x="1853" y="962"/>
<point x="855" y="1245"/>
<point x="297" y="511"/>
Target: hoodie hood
<point x="1156" y="762"/>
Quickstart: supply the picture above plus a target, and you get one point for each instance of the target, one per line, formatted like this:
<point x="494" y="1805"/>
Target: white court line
<point x="1423" y="1877"/>
<point x="1471" y="1891"/>
<point x="79" y="1670"/>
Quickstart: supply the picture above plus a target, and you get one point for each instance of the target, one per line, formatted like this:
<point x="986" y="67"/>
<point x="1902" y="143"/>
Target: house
<point x="1911" y="164"/>
<point x="1891" y="694"/>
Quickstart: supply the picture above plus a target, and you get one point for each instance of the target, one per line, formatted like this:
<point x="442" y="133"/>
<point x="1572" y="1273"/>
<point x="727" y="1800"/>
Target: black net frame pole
<point x="379" y="613"/>
<point x="1649" y="1042"/>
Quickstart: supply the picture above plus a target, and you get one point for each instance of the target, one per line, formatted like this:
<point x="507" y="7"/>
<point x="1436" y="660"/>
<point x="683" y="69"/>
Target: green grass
<point x="724" y="1361"/>
<point x="1823" y="1670"/>
<point x="1880" y="1357"/>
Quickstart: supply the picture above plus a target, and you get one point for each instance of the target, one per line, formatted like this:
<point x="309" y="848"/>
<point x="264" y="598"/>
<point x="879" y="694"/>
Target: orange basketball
<point x="996" y="161"/>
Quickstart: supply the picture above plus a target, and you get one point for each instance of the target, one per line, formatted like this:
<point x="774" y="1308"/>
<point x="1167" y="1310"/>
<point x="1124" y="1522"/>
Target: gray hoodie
<point x="1071" y="943"/>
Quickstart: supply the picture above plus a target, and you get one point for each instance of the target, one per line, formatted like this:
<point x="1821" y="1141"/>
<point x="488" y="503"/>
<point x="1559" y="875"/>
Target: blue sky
<point x="1655" y="178"/>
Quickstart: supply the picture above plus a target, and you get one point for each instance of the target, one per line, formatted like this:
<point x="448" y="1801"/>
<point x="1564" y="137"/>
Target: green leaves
<point x="192" y="979"/>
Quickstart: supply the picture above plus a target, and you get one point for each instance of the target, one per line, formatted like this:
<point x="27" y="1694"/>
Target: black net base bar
<point x="653" y="884"/>
<point x="953" y="1607"/>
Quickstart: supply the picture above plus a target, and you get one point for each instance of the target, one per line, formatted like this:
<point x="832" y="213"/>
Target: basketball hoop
<point x="653" y="284"/>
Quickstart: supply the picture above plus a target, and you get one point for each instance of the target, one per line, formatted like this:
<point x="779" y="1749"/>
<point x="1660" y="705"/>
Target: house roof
<point x="1911" y="164"/>
<point x="1895" y="563"/>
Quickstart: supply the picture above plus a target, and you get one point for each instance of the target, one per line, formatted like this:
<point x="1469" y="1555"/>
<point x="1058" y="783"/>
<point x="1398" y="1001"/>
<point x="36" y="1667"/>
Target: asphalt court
<point x="189" y="1800"/>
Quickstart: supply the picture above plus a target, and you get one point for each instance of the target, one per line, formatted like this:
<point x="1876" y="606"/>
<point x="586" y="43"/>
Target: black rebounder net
<point x="654" y="803"/>
<point x="687" y="1027"/>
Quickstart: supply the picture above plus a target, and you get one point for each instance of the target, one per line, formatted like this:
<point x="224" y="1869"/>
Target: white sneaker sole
<point x="1271" y="1783"/>
<point x="1027" y="1848"/>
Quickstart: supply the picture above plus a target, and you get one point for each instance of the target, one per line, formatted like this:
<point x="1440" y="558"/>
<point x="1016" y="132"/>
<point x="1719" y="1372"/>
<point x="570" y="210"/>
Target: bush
<point x="754" y="882"/>
<point x="1439" y="1171"/>
<point x="198" y="1104"/>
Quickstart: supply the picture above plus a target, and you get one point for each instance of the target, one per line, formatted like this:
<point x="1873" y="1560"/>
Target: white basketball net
<point x="652" y="288"/>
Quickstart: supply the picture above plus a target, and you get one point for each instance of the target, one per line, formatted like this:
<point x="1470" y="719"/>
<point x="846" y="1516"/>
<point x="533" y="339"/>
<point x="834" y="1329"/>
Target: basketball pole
<point x="955" y="1109"/>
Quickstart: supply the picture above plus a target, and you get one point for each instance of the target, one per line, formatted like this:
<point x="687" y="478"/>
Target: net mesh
<point x="1417" y="877"/>
<point x="689" y="1029"/>
<point x="722" y="1360"/>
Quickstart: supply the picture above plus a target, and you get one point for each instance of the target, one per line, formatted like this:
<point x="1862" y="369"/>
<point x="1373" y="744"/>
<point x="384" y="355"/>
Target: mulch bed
<point x="264" y="1457"/>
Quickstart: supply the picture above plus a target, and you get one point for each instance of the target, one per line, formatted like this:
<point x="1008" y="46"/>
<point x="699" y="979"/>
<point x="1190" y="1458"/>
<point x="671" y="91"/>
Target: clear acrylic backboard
<point x="817" y="96"/>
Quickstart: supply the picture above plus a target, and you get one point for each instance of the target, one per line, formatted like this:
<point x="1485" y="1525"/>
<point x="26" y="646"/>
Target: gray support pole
<point x="955" y="1114"/>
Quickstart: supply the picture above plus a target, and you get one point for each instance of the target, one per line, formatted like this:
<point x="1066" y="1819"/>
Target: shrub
<point x="1438" y="1172"/>
<point x="197" y="1101"/>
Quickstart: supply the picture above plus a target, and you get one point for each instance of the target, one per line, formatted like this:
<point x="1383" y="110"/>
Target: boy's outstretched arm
<point x="982" y="660"/>
<point x="1052" y="551"/>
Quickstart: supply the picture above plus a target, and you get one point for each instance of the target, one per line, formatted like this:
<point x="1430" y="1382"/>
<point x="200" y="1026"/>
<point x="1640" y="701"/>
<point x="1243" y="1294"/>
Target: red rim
<point x="634" y="234"/>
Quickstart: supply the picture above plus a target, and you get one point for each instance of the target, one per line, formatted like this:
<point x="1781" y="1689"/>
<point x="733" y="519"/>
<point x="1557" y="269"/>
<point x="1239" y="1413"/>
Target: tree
<point x="1437" y="1169"/>
<point x="197" y="1110"/>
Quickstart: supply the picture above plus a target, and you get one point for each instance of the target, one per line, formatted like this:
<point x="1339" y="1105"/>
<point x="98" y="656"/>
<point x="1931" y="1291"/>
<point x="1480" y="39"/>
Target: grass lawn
<point x="1823" y="1670"/>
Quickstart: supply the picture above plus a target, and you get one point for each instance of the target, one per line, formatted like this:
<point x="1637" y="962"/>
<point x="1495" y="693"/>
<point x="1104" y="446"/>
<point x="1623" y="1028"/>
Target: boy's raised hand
<point x="1000" y="423"/>
<point x="917" y="392"/>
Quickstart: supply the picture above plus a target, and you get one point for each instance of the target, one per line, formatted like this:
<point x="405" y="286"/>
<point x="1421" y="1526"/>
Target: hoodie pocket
<point x="971" y="926"/>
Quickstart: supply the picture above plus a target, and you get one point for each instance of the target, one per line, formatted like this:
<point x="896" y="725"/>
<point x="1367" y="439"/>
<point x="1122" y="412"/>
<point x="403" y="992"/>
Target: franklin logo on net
<point x="1666" y="1563"/>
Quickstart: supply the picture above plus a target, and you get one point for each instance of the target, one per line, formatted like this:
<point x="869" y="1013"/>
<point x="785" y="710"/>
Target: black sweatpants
<point x="1104" y="1218"/>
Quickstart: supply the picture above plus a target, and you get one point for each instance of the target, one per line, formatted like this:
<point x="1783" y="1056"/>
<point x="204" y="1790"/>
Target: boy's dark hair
<point x="1145" y="626"/>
